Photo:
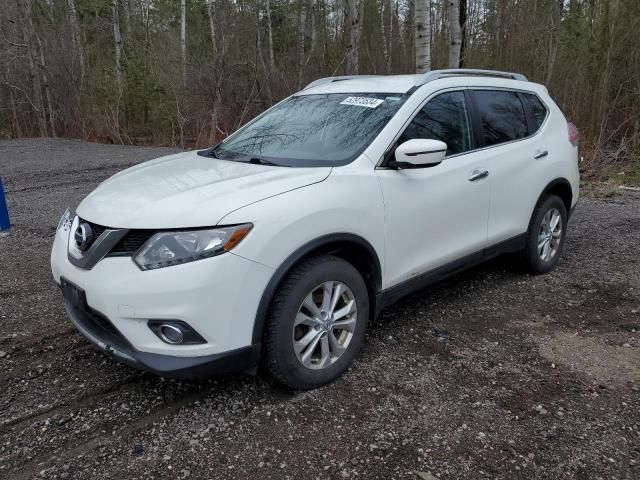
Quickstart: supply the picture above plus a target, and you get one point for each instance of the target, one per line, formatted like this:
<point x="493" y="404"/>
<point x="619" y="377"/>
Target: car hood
<point x="188" y="190"/>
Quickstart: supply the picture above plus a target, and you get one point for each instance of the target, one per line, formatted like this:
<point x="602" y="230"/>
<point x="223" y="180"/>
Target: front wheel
<point x="316" y="323"/>
<point x="546" y="235"/>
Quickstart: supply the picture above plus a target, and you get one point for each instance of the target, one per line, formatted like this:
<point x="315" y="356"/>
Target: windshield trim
<point x="297" y="162"/>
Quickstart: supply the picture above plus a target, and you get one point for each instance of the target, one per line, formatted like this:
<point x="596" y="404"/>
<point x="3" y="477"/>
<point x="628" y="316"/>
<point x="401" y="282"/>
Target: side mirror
<point x="419" y="153"/>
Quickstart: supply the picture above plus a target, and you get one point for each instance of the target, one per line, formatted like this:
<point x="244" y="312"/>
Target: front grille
<point x="127" y="246"/>
<point x="131" y="242"/>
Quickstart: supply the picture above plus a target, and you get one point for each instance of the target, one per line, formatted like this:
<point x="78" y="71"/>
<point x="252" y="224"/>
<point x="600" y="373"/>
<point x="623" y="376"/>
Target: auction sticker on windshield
<point x="362" y="102"/>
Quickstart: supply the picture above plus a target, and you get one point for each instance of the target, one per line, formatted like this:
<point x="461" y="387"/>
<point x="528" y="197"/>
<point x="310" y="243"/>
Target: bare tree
<point x="28" y="36"/>
<point x="183" y="40"/>
<point x="356" y="15"/>
<point x="212" y="27"/>
<point x="75" y="38"/>
<point x="455" y="34"/>
<point x="463" y="26"/>
<point x="387" y="32"/>
<point x="117" y="42"/>
<point x="272" y="62"/>
<point x="47" y="89"/>
<point x="301" y="28"/>
<point x="423" y="35"/>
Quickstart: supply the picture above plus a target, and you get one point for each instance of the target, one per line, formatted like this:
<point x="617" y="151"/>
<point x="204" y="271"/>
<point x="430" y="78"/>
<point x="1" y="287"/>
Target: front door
<point x="439" y="214"/>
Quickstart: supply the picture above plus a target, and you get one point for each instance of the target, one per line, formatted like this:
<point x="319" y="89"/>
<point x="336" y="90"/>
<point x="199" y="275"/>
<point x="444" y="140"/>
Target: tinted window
<point x="443" y="118"/>
<point x="502" y="116"/>
<point x="313" y="130"/>
<point x="538" y="111"/>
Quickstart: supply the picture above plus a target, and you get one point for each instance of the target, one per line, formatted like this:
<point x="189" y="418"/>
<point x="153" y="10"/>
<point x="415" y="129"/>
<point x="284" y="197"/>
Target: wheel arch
<point x="560" y="187"/>
<point x="350" y="247"/>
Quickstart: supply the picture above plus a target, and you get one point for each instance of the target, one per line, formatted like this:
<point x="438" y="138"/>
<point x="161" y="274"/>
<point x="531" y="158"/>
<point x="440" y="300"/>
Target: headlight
<point x="173" y="248"/>
<point x="65" y="221"/>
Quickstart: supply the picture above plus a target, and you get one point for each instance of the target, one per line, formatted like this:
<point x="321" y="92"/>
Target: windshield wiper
<point x="262" y="161"/>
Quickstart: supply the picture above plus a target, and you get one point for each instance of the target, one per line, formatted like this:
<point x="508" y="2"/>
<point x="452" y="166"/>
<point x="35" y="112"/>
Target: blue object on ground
<point x="5" y="224"/>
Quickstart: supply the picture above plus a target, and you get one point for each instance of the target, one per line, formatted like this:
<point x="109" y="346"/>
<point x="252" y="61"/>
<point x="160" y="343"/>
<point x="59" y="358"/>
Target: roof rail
<point x="321" y="81"/>
<point x="436" y="74"/>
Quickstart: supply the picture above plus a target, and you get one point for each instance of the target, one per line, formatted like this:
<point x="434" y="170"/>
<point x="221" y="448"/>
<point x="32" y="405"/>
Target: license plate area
<point x="73" y="294"/>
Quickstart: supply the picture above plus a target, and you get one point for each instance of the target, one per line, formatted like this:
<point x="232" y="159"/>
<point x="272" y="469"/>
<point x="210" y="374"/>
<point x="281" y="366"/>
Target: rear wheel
<point x="546" y="235"/>
<point x="316" y="323"/>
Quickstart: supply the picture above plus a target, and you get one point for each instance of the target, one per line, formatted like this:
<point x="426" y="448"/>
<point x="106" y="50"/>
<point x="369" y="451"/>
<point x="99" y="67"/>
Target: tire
<point x="292" y="320"/>
<point x="543" y="259"/>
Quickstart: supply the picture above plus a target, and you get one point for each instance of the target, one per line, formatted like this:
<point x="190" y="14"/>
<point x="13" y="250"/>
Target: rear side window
<point x="502" y="116"/>
<point x="537" y="109"/>
<point x="443" y="118"/>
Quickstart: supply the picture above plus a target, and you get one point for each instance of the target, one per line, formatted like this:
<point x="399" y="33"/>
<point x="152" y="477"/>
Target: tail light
<point x="574" y="134"/>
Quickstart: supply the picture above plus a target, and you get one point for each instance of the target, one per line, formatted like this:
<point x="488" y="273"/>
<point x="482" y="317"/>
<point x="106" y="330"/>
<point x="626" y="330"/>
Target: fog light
<point x="170" y="334"/>
<point x="175" y="332"/>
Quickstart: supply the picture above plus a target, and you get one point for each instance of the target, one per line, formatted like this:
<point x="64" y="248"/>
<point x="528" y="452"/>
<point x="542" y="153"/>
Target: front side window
<point x="502" y="116"/>
<point x="443" y="118"/>
<point x="313" y="130"/>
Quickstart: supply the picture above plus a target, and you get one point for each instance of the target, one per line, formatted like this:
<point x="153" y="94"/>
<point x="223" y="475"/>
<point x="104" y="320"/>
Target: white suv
<point x="282" y="242"/>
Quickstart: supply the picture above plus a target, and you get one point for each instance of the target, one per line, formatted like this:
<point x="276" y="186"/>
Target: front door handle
<point x="478" y="174"/>
<point x="540" y="155"/>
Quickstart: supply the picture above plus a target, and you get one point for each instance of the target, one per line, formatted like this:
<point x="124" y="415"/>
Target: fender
<point x="283" y="269"/>
<point x="558" y="182"/>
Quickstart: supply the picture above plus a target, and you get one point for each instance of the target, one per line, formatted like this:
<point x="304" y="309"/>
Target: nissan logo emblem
<point x="83" y="236"/>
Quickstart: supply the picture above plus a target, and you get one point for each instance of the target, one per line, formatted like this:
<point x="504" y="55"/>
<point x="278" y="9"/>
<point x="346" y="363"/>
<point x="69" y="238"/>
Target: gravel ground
<point x="491" y="374"/>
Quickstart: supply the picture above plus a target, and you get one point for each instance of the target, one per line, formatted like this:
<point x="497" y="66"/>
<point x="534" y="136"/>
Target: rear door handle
<point x="478" y="174"/>
<point x="540" y="155"/>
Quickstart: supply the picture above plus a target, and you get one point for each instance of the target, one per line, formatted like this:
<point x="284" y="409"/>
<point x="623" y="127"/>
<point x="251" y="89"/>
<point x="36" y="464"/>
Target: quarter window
<point x="502" y="116"/>
<point x="443" y="118"/>
<point x="538" y="111"/>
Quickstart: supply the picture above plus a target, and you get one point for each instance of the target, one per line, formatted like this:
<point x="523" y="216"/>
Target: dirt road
<point x="533" y="377"/>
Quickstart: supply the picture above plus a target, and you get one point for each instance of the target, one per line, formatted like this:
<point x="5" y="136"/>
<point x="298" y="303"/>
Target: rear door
<point x="514" y="154"/>
<point x="438" y="214"/>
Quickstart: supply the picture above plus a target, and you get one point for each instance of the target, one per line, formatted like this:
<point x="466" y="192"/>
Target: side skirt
<point x="391" y="295"/>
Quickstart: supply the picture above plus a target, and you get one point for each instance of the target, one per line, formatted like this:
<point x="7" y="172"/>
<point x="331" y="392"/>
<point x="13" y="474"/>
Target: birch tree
<point x="117" y="42"/>
<point x="272" y="62"/>
<point x="75" y="38"/>
<point x="183" y="40"/>
<point x="301" y="28"/>
<point x="356" y="15"/>
<point x="212" y="27"/>
<point x="455" y="34"/>
<point x="422" y="22"/>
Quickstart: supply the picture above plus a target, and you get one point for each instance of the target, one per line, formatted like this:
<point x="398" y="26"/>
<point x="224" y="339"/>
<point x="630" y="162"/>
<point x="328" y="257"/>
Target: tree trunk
<point x="313" y="11"/>
<point x="423" y="35"/>
<point x="183" y="40"/>
<point x="455" y="34"/>
<point x="17" y="131"/>
<point x="463" y="25"/>
<point x="272" y="62"/>
<point x="355" y="21"/>
<point x="117" y="41"/>
<point x="212" y="27"/>
<point x="28" y="33"/>
<point x="387" y="31"/>
<point x="301" y="25"/>
<point x="390" y="47"/>
<point x="75" y="38"/>
<point x="47" y="90"/>
<point x="127" y="18"/>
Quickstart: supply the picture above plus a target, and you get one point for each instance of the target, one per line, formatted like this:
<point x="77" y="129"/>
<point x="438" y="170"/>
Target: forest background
<point x="189" y="72"/>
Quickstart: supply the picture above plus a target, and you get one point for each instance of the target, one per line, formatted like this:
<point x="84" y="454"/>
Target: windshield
<point x="312" y="130"/>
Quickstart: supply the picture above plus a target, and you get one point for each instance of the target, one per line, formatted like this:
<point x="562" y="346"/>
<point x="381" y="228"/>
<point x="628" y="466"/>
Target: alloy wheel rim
<point x="324" y="325"/>
<point x="550" y="235"/>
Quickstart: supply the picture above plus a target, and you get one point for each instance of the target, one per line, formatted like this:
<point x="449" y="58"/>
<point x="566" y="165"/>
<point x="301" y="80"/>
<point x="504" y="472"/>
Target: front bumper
<point x="218" y="297"/>
<point x="101" y="332"/>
